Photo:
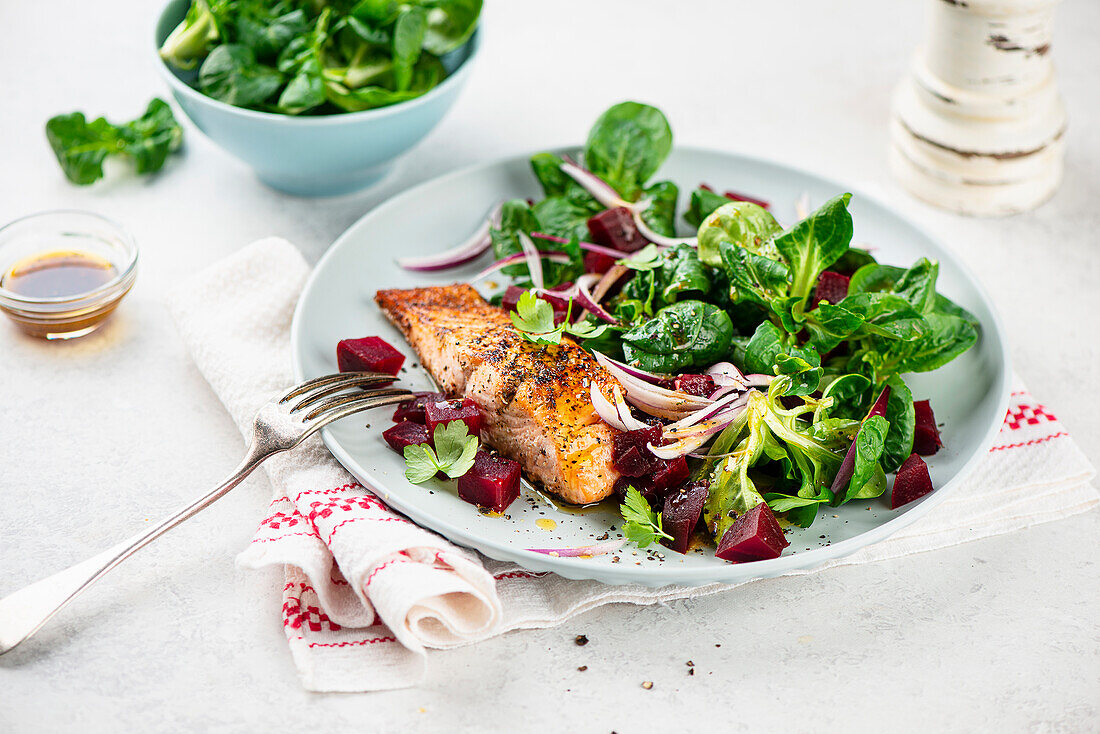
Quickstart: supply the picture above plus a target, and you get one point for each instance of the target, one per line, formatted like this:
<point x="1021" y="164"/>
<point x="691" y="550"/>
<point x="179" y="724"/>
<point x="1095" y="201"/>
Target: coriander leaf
<point x="420" y="463"/>
<point x="454" y="448"/>
<point x="642" y="526"/>
<point x="534" y="319"/>
<point x="586" y="329"/>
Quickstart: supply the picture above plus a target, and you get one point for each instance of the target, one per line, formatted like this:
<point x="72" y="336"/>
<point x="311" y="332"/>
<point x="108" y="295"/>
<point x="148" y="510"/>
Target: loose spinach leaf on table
<point x="82" y="146"/>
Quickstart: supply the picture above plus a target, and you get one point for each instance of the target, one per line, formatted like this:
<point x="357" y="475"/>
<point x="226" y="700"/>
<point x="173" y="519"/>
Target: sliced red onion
<point x="594" y="185"/>
<point x="609" y="279"/>
<point x="558" y="257"/>
<point x="644" y="393"/>
<point x="534" y="262"/>
<point x="698" y="435"/>
<point x="651" y="377"/>
<point x="587" y="246"/>
<point x="617" y="414"/>
<point x="588" y="301"/>
<point x="726" y="369"/>
<point x="655" y="238"/>
<point x="729" y="402"/>
<point x="471" y="249"/>
<point x="585" y="550"/>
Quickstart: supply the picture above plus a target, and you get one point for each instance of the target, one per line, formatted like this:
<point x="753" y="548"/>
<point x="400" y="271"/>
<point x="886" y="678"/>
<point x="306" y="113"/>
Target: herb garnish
<point x="453" y="453"/>
<point x="642" y="525"/>
<point x="534" y="319"/>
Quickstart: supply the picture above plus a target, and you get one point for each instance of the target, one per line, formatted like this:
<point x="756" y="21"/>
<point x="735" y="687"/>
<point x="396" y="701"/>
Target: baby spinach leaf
<point x="627" y="145"/>
<point x="870" y="443"/>
<point x="815" y="243"/>
<point x="547" y="169"/>
<point x="266" y="33"/>
<point x="918" y="285"/>
<point x="901" y="416"/>
<point x="82" y="146"/>
<point x="685" y="334"/>
<point x="885" y="315"/>
<point x="803" y="367"/>
<point x="946" y="338"/>
<point x="232" y="75"/>
<point x="682" y="274"/>
<point x="765" y="345"/>
<point x="830" y="325"/>
<point x="850" y="394"/>
<point x="561" y="217"/>
<point x="660" y="213"/>
<point x="701" y="204"/>
<point x="193" y="38"/>
<point x="754" y="278"/>
<point x="408" y="38"/>
<point x="426" y="75"/>
<point x="740" y="223"/>
<point x="450" y="24"/>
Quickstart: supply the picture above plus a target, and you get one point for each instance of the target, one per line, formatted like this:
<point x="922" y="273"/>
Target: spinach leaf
<point x="946" y="338"/>
<point x="815" y="243"/>
<point x="192" y="39"/>
<point x="885" y="315"/>
<point x="516" y="217"/>
<point x="740" y="223"/>
<point x="918" y="285"/>
<point x="660" y="214"/>
<point x="830" y="325"/>
<point x="685" y="334"/>
<point x="408" y="37"/>
<point x="267" y="33"/>
<point x="754" y="278"/>
<point x="850" y="394"/>
<point x="561" y="217"/>
<point x="627" y="145"/>
<point x="766" y="344"/>
<point x="547" y="169"/>
<point x="427" y="74"/>
<point x="450" y="24"/>
<point x="701" y="204"/>
<point x="803" y="367"/>
<point x="870" y="443"/>
<point x="232" y="75"/>
<point x="901" y="416"/>
<point x="82" y="146"/>
<point x="683" y="275"/>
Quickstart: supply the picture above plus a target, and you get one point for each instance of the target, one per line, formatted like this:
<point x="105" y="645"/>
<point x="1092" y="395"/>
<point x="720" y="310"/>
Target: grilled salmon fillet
<point x="535" y="399"/>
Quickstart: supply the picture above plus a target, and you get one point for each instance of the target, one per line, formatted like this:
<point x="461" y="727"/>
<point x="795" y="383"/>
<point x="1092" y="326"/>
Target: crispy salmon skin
<point x="535" y="399"/>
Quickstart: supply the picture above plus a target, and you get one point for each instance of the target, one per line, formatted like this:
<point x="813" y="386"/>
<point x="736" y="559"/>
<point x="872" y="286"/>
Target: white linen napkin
<point x="368" y="592"/>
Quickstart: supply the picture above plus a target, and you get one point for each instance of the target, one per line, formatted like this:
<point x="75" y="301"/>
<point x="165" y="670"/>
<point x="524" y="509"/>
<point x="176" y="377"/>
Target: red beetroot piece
<point x="701" y="385"/>
<point x="755" y="536"/>
<point x="630" y="454"/>
<point x="911" y="483"/>
<point x="615" y="228"/>
<point x="926" y="439"/>
<point x="831" y="287"/>
<point x="369" y="354"/>
<point x="413" y="410"/>
<point x="445" y="411"/>
<point x="681" y="513"/>
<point x="405" y="434"/>
<point x="744" y="197"/>
<point x="492" y="482"/>
<point x="597" y="262"/>
<point x="670" y="473"/>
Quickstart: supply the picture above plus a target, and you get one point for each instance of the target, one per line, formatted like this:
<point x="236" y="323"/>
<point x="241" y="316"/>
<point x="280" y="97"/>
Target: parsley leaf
<point x="453" y="454"/>
<point x="534" y="318"/>
<point x="585" y="329"/>
<point x="642" y="525"/>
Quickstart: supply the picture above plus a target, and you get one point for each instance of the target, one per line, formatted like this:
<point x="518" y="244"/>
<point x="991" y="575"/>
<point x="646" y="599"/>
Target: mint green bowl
<point x="321" y="155"/>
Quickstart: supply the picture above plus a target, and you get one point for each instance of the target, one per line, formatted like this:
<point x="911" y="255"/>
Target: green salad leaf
<point x="642" y="525"/>
<point x="453" y="453"/>
<point x="627" y="145"/>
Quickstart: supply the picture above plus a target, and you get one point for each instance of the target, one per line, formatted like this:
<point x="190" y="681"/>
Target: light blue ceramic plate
<point x="969" y="396"/>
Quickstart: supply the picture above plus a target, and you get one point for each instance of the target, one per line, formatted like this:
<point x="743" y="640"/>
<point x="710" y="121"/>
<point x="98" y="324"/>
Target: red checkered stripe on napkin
<point x="304" y="621"/>
<point x="1027" y="423"/>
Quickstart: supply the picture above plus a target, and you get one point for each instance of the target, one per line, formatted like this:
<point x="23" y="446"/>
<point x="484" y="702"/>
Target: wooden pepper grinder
<point x="977" y="126"/>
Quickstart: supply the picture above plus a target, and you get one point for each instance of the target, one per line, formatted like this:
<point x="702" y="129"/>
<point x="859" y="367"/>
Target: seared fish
<point x="535" y="399"/>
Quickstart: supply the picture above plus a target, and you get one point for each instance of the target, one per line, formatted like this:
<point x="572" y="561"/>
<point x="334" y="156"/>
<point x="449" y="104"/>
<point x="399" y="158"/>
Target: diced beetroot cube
<point x="743" y="197"/>
<point x="413" y="410"/>
<point x="492" y="482"/>
<point x="445" y="411"/>
<point x="615" y="228"/>
<point x="926" y="440"/>
<point x="831" y="287"/>
<point x="597" y="262"/>
<point x="681" y="513"/>
<point x="369" y="354"/>
<point x="911" y="483"/>
<point x="630" y="453"/>
<point x="701" y="385"/>
<point x="755" y="536"/>
<point x="511" y="297"/>
<point x="405" y="434"/>
<point x="670" y="473"/>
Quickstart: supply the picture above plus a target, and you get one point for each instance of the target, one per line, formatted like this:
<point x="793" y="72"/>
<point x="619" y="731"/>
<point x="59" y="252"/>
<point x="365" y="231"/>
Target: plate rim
<point x="577" y="568"/>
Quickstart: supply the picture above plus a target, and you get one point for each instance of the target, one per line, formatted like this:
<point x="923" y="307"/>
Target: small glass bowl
<point x="65" y="317"/>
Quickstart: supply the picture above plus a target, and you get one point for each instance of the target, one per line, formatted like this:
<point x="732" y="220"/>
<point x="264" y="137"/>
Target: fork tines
<point x="330" y="393"/>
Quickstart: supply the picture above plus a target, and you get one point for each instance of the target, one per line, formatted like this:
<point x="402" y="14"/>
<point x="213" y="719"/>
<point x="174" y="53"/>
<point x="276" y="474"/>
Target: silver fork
<point x="280" y="425"/>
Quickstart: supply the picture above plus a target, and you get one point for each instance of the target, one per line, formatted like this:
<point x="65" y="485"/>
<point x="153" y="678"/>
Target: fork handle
<point x="22" y="613"/>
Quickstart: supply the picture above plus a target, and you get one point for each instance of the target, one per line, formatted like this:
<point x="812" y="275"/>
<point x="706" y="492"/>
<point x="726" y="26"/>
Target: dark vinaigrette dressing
<point x="58" y="274"/>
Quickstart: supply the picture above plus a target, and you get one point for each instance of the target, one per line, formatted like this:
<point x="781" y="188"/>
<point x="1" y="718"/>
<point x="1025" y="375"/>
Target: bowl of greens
<point x="319" y="98"/>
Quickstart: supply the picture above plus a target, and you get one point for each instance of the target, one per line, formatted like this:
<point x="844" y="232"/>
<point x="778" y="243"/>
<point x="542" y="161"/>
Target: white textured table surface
<point x="100" y="435"/>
